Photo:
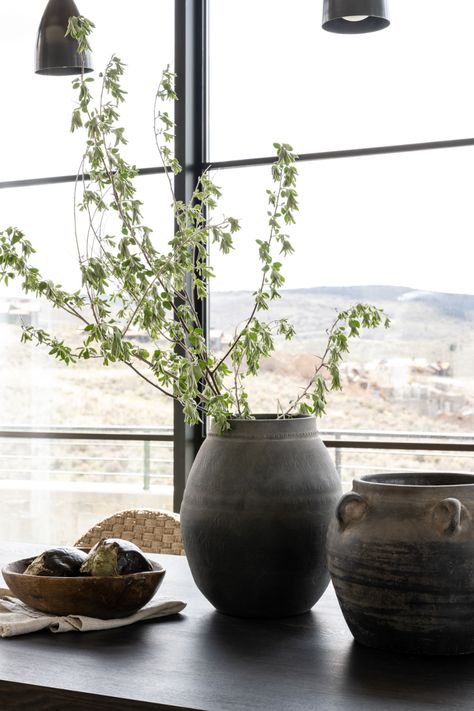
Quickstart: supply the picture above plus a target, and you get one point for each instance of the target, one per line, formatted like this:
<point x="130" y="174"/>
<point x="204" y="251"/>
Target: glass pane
<point x="34" y="138"/>
<point x="393" y="230"/>
<point x="275" y="75"/>
<point x="35" y="389"/>
<point x="58" y="489"/>
<point x="353" y="463"/>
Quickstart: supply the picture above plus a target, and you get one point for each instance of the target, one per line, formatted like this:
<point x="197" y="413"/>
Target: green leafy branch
<point x="133" y="280"/>
<point x="327" y="376"/>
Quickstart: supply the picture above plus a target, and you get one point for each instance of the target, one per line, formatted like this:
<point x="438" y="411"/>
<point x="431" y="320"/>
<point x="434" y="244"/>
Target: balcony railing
<point x="131" y="456"/>
<point x="56" y="482"/>
<point x="359" y="452"/>
<point x="112" y="456"/>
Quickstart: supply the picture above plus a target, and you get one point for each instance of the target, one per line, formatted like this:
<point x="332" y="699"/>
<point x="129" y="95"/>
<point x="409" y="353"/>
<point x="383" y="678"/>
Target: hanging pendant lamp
<point x="56" y="54"/>
<point x="350" y="17"/>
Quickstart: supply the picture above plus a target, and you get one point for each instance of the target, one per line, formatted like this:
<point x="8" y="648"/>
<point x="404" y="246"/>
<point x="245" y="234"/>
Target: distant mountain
<point x="459" y="306"/>
<point x="356" y="293"/>
<point x="423" y="322"/>
<point x="395" y="299"/>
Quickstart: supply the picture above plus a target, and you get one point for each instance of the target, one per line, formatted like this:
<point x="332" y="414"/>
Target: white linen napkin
<point x="17" y="618"/>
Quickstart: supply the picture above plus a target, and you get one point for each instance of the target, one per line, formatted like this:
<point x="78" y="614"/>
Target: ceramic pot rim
<point x="414" y="481"/>
<point x="268" y="426"/>
<point x="271" y="417"/>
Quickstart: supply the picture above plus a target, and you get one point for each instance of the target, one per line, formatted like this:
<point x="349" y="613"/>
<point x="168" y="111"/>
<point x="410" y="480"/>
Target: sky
<point x="275" y="75"/>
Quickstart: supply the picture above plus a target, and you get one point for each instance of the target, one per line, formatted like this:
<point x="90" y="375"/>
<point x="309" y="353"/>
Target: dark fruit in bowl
<point x="104" y="597"/>
<point x="58" y="562"/>
<point x="115" y="556"/>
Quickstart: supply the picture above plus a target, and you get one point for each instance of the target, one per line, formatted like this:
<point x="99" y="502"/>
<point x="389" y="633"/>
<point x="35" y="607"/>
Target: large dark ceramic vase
<point x="401" y="557"/>
<point x="255" y="514"/>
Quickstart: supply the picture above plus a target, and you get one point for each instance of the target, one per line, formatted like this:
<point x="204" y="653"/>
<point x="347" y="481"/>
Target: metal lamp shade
<point x="367" y="16"/>
<point x="56" y="54"/>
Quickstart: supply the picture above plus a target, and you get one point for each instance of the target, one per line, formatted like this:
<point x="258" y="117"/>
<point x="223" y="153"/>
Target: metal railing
<point x="379" y="439"/>
<point x="132" y="454"/>
<point x="120" y="455"/>
<point x="155" y="434"/>
<point x="453" y="448"/>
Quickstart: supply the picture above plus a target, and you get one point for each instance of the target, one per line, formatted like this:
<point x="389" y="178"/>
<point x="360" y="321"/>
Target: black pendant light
<point x="349" y="17"/>
<point x="56" y="54"/>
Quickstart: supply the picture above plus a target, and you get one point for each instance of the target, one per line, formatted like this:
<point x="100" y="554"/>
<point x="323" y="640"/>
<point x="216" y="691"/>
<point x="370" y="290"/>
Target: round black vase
<point x="255" y="513"/>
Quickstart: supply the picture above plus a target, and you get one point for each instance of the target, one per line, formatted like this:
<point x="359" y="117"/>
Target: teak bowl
<point x="105" y="597"/>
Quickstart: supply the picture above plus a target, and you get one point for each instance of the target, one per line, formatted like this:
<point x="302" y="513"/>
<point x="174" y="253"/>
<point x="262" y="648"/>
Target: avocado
<point x="115" y="556"/>
<point x="60" y="562"/>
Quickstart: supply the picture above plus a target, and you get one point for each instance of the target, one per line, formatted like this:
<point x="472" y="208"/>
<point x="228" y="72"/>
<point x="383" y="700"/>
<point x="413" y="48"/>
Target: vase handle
<point x="351" y="509"/>
<point x="447" y="516"/>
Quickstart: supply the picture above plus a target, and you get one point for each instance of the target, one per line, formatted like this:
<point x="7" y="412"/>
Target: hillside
<point x="418" y="375"/>
<point x="424" y="324"/>
<point x="391" y="377"/>
<point x="313" y="306"/>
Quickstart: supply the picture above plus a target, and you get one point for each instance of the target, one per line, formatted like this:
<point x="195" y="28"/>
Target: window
<point x="35" y="141"/>
<point x="383" y="229"/>
<point x="390" y="226"/>
<point x="276" y="76"/>
<point x="393" y="229"/>
<point x="83" y="441"/>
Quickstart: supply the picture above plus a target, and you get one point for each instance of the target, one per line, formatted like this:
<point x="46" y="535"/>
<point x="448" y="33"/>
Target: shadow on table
<point x="376" y="674"/>
<point x="253" y="639"/>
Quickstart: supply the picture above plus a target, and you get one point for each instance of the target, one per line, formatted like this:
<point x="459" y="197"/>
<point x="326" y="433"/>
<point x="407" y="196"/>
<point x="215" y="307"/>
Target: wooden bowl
<point x="106" y="597"/>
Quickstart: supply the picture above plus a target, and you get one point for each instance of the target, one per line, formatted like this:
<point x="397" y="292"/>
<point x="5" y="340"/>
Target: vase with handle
<point x="401" y="557"/>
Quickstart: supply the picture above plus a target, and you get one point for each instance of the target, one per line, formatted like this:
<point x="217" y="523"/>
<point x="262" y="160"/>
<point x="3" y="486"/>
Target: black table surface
<point x="204" y="660"/>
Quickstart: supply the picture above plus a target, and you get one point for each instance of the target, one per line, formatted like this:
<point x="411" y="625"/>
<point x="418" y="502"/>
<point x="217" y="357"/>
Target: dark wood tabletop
<point x="204" y="660"/>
